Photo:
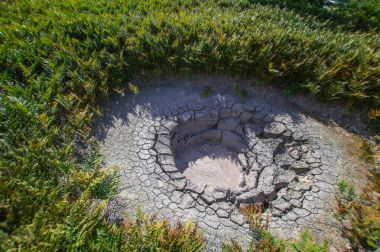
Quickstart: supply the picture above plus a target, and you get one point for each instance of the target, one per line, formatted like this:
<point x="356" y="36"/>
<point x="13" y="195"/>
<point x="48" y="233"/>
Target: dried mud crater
<point x="232" y="152"/>
<point x="199" y="159"/>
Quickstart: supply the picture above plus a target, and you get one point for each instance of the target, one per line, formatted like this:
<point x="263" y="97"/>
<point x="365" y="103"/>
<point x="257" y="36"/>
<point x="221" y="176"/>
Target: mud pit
<point x="185" y="157"/>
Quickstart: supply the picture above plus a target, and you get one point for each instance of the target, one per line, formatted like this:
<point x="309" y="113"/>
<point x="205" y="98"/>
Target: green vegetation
<point x="91" y="233"/>
<point x="367" y="152"/>
<point x="94" y="47"/>
<point x="206" y="92"/>
<point x="352" y="15"/>
<point x="240" y="92"/>
<point x="286" y="92"/>
<point x="268" y="242"/>
<point x="57" y="58"/>
<point x="133" y="88"/>
<point x="359" y="215"/>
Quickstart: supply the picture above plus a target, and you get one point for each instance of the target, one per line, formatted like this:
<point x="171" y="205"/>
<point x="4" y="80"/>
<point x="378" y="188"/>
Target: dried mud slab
<point x="185" y="157"/>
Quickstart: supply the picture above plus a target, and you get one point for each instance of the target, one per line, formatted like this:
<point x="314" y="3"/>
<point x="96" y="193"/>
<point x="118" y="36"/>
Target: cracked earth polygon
<point x="189" y="158"/>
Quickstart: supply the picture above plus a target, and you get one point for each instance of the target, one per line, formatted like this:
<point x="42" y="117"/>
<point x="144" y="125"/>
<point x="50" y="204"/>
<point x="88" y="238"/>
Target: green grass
<point x="267" y="242"/>
<point x="358" y="213"/>
<point x="57" y="58"/>
<point x="240" y="92"/>
<point x="94" y="47"/>
<point x="351" y="15"/>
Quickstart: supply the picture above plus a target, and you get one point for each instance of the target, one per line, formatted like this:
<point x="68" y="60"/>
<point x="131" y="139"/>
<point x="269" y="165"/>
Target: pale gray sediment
<point x="168" y="140"/>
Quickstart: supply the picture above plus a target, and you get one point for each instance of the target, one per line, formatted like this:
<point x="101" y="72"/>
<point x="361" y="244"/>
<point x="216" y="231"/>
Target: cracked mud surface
<point x="185" y="157"/>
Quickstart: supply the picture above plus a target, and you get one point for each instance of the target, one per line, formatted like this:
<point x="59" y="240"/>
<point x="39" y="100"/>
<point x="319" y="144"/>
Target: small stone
<point x="222" y="213"/>
<point x="168" y="168"/>
<point x="296" y="154"/>
<point x="176" y="197"/>
<point x="242" y="182"/>
<point x="291" y="216"/>
<point x="268" y="118"/>
<point x="274" y="129"/>
<point x="143" y="154"/>
<point x="251" y="196"/>
<point x="312" y="160"/>
<point x="237" y="218"/>
<point x="186" y="202"/>
<point x="299" y="136"/>
<point x="283" y="177"/>
<point x="266" y="179"/>
<point x="299" y="166"/>
<point x="194" y="188"/>
<point x="281" y="204"/>
<point x="220" y="194"/>
<point x="300" y="186"/>
<point x="207" y="198"/>
<point x="301" y="212"/>
<point x="170" y="125"/>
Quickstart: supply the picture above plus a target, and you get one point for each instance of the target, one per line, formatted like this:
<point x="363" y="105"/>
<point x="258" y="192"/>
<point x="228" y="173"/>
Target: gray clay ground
<point x="186" y="157"/>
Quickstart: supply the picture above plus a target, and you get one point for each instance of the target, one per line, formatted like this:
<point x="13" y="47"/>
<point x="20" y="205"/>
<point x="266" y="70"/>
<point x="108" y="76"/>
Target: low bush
<point x="57" y="58"/>
<point x="267" y="242"/>
<point x="359" y="215"/>
<point x="351" y="15"/>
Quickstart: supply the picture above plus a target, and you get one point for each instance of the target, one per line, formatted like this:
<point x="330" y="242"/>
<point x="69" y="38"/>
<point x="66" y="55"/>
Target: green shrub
<point x="306" y="243"/>
<point x="353" y="15"/>
<point x="359" y="215"/>
<point x="89" y="49"/>
<point x="367" y="151"/>
<point x="267" y="242"/>
<point x="239" y="92"/>
<point x="147" y="234"/>
<point x="57" y="58"/>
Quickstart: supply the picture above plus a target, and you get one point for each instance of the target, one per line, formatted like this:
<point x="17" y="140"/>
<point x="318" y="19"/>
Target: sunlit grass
<point x="57" y="58"/>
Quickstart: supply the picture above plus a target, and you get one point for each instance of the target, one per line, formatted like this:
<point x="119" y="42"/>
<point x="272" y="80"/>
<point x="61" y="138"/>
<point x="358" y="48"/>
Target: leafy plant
<point x="267" y="242"/>
<point x="306" y="243"/>
<point x="241" y="93"/>
<point x="367" y="151"/>
<point x="286" y="92"/>
<point x="148" y="234"/>
<point x="133" y="88"/>
<point x="58" y="58"/>
<point x="206" y="92"/>
<point x="356" y="15"/>
<point x="359" y="216"/>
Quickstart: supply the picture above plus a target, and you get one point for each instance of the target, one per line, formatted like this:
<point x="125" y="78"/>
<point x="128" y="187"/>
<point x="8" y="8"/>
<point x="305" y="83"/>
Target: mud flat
<point x="187" y="157"/>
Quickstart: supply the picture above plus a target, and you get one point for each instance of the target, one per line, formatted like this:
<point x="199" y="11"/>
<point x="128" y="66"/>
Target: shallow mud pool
<point x="186" y="157"/>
